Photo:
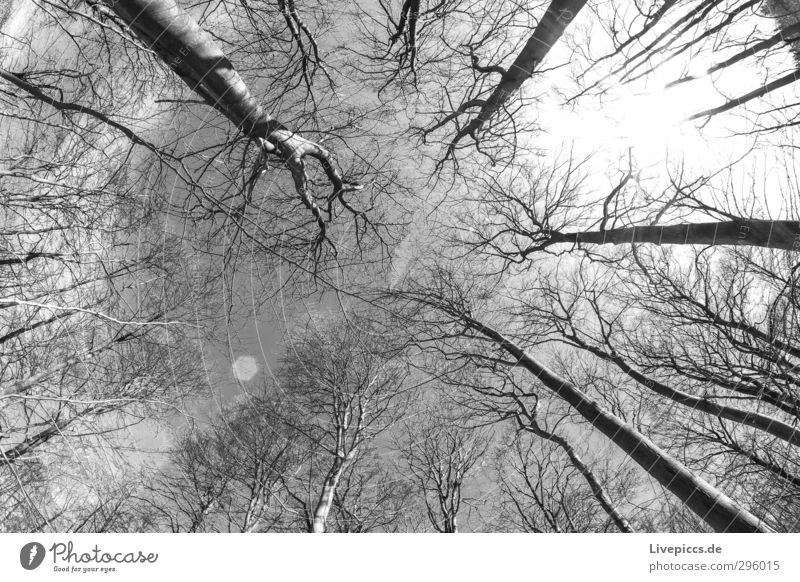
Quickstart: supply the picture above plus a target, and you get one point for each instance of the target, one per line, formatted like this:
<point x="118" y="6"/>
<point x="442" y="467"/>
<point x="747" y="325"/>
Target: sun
<point x="653" y="124"/>
<point x="650" y="118"/>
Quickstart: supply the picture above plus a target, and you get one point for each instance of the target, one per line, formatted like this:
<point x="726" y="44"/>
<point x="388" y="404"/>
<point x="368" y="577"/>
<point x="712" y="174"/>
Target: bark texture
<point x="709" y="504"/>
<point x="599" y="492"/>
<point x="550" y="28"/>
<point x="325" y="502"/>
<point x="774" y="234"/>
<point x="191" y="52"/>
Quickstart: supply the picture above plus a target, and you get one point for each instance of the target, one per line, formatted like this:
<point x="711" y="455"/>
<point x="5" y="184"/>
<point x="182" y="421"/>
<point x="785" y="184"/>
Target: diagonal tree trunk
<point x="712" y="506"/>
<point x="599" y="492"/>
<point x="749" y="96"/>
<point x="177" y="39"/>
<point x="763" y="422"/>
<point x="550" y="28"/>
<point x="774" y="234"/>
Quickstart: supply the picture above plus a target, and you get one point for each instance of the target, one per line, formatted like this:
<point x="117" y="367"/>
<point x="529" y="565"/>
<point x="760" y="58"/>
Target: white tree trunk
<point x="325" y="502"/>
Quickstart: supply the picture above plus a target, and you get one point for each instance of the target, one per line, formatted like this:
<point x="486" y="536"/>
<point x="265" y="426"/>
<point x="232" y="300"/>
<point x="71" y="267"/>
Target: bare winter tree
<point x="229" y="476"/>
<point x="442" y="457"/>
<point x="557" y="16"/>
<point x="630" y="315"/>
<point x="96" y="309"/>
<point x="544" y="492"/>
<point x="719" y="341"/>
<point x="344" y="387"/>
<point x="450" y="309"/>
<point x="644" y="43"/>
<point x="528" y="419"/>
<point x="180" y="42"/>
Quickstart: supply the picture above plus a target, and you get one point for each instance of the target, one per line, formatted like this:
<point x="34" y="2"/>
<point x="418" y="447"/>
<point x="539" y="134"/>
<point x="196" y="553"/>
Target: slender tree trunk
<point x="325" y="501"/>
<point x="754" y="94"/>
<point x="597" y="488"/>
<point x="11" y="455"/>
<point x="712" y="506"/>
<point x="452" y="525"/>
<point x="774" y="234"/>
<point x="23" y="385"/>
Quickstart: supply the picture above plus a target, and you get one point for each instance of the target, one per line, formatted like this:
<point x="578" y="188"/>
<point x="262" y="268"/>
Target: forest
<point x="399" y="266"/>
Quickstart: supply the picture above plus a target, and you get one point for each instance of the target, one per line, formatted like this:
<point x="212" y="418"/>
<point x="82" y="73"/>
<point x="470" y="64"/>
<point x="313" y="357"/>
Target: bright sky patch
<point x="245" y="367"/>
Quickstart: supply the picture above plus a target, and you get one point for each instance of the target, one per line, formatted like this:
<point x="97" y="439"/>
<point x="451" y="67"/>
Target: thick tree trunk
<point x="191" y="52"/>
<point x="550" y="28"/>
<point x="713" y="507"/>
<point x="756" y="420"/>
<point x="774" y="234"/>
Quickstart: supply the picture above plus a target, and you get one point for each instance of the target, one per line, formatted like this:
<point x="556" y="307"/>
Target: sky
<point x="649" y="118"/>
<point x="643" y="117"/>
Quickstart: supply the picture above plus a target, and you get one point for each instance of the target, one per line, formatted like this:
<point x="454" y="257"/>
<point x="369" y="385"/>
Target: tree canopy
<point x="510" y="266"/>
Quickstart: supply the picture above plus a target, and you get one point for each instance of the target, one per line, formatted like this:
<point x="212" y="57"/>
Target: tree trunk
<point x="774" y="234"/>
<point x="756" y="420"/>
<point x="191" y="52"/>
<point x="452" y="525"/>
<point x="597" y="488"/>
<point x="550" y="28"/>
<point x="325" y="502"/>
<point x="713" y="507"/>
<point x="13" y="454"/>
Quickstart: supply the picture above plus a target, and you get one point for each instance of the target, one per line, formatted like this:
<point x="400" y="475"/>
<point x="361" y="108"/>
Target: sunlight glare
<point x="245" y="367"/>
<point x="650" y="119"/>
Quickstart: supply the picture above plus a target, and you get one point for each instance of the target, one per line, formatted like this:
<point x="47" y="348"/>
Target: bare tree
<point x="543" y="492"/>
<point x="372" y="498"/>
<point x="99" y="312"/>
<point x="191" y="52"/>
<point x="454" y="310"/>
<point x="229" y="476"/>
<point x="442" y="456"/>
<point x="344" y="383"/>
<point x="551" y="26"/>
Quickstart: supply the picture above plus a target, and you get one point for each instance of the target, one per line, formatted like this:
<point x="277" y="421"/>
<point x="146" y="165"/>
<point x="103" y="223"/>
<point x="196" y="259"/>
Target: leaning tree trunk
<point x="550" y="28"/>
<point x="712" y="506"/>
<point x="774" y="234"/>
<point x="762" y="422"/>
<point x="787" y="15"/>
<point x="191" y="52"/>
<point x="598" y="491"/>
